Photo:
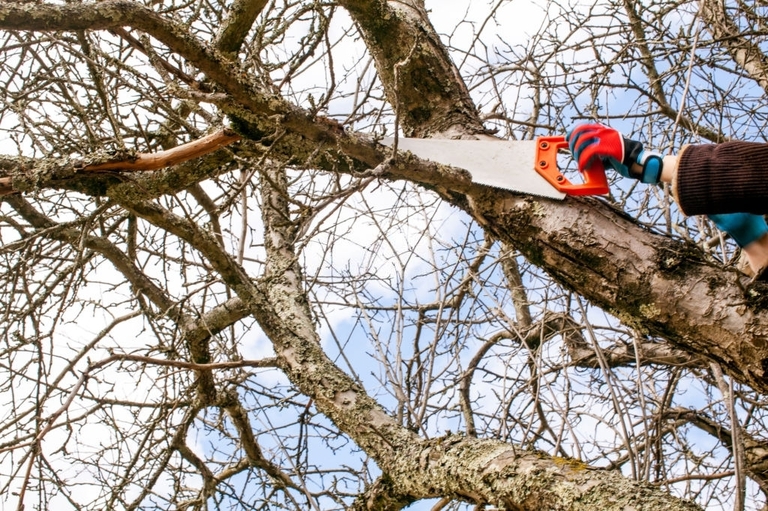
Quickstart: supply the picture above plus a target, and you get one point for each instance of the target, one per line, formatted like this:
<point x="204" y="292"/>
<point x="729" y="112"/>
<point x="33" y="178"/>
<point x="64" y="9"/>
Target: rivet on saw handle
<point x="595" y="181"/>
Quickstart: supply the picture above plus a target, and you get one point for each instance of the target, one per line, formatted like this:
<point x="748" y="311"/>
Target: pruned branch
<point x="145" y="162"/>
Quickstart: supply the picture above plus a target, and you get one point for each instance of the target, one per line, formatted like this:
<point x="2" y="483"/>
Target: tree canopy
<point x="221" y="291"/>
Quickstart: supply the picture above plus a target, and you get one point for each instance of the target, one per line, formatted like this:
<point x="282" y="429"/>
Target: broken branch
<point x="145" y="162"/>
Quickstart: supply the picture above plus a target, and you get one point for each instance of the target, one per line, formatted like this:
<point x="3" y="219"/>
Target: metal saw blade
<point x="502" y="164"/>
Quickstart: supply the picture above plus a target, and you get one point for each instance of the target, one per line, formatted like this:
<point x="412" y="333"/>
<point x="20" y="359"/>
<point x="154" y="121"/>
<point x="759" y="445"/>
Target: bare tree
<point x="221" y="292"/>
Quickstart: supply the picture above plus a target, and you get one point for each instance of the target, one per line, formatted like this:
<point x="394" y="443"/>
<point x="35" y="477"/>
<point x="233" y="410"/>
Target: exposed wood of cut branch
<point x="162" y="159"/>
<point x="144" y="162"/>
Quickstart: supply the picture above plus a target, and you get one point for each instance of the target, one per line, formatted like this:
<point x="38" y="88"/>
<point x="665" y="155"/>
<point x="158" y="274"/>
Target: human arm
<point x="721" y="181"/>
<point x="729" y="177"/>
<point x="757" y="256"/>
<point x="722" y="178"/>
<point x="748" y="230"/>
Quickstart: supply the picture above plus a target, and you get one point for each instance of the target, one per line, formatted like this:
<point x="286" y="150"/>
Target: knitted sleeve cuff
<point x="673" y="182"/>
<point x="722" y="178"/>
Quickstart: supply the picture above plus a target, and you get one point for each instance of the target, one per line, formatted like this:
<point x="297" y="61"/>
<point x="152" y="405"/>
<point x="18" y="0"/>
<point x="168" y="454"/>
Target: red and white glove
<point x="595" y="143"/>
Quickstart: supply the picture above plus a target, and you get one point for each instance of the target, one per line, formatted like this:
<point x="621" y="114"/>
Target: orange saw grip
<point x="595" y="181"/>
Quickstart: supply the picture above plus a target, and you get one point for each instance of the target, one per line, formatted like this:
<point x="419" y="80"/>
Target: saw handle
<point x="595" y="180"/>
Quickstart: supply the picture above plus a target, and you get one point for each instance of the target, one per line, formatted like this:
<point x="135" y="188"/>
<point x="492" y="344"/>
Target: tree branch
<point x="143" y="162"/>
<point x="747" y="55"/>
<point x="755" y="450"/>
<point x="419" y="78"/>
<point x="140" y="162"/>
<point x="238" y="23"/>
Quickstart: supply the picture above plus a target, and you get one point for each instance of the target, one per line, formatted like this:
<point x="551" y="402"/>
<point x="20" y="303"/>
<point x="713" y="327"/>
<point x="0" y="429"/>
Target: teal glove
<point x="744" y="228"/>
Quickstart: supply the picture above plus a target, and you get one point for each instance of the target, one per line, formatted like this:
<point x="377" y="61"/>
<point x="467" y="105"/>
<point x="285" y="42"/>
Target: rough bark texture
<point x="239" y="22"/>
<point x="412" y="63"/>
<point x="660" y="287"/>
<point x="747" y="54"/>
<point x="498" y="474"/>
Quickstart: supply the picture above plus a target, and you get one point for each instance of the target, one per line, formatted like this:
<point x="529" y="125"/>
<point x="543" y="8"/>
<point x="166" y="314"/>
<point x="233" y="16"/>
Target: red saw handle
<point x="595" y="181"/>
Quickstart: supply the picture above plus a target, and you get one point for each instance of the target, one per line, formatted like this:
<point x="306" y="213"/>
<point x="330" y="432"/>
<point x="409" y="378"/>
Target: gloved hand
<point x="744" y="228"/>
<point x="592" y="142"/>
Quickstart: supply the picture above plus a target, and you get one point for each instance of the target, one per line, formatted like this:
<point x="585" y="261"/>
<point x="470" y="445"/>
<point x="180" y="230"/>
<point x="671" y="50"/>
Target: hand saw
<point x="527" y="166"/>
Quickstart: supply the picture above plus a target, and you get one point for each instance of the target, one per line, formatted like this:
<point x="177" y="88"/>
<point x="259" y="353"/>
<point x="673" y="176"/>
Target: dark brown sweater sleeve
<point x="731" y="177"/>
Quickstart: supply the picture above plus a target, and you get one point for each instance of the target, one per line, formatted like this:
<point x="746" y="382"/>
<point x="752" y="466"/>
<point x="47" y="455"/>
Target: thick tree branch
<point x="419" y="78"/>
<point x="486" y="471"/>
<point x="28" y="174"/>
<point x="746" y="54"/>
<point x="657" y="285"/>
<point x="238" y="23"/>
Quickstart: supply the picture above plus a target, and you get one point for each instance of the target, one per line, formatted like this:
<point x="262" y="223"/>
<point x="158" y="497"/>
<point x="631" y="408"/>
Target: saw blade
<point x="501" y="164"/>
